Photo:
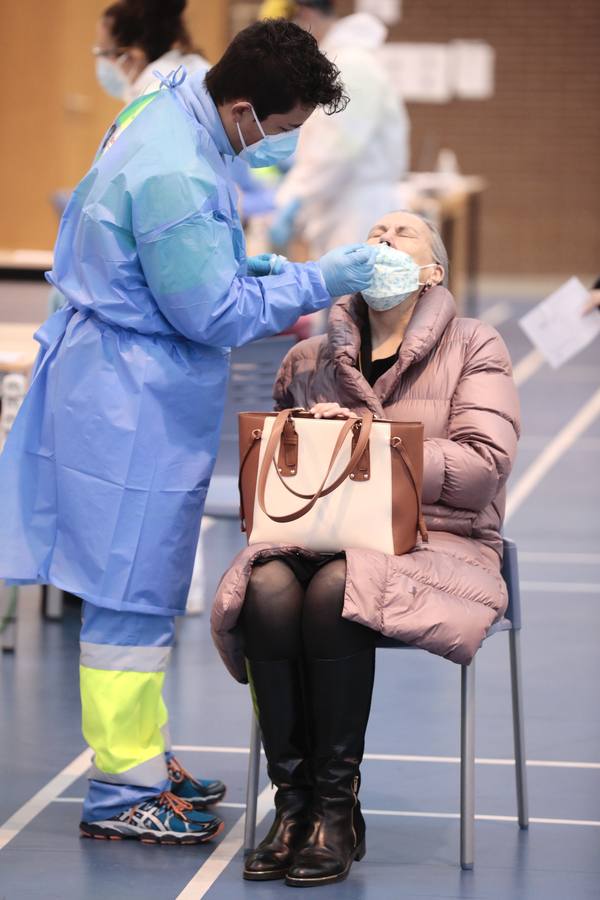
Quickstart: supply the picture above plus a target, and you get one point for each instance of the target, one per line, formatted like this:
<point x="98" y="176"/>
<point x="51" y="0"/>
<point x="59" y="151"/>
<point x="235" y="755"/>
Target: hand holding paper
<point x="557" y="325"/>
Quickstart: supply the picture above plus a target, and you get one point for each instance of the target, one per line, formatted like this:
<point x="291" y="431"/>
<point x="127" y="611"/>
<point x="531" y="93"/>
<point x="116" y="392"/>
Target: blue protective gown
<point x="105" y="472"/>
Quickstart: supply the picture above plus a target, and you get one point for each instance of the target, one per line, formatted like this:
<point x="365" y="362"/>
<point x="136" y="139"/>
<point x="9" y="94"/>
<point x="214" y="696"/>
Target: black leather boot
<point x="278" y="696"/>
<point x="339" y="701"/>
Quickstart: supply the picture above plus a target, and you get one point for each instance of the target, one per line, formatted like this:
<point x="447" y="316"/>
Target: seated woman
<point x="302" y="626"/>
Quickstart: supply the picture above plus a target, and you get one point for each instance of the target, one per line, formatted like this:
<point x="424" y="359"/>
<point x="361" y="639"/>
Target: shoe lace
<point x="177" y="773"/>
<point x="177" y="805"/>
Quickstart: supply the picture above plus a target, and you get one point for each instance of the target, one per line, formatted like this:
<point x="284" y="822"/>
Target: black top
<point x="373" y="369"/>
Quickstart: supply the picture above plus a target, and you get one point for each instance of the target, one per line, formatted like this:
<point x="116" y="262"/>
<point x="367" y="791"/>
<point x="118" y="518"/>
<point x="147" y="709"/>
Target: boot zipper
<point x="355" y="796"/>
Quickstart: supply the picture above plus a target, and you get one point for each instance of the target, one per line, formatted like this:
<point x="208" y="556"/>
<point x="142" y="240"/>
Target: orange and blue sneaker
<point x="164" y="819"/>
<point x="200" y="792"/>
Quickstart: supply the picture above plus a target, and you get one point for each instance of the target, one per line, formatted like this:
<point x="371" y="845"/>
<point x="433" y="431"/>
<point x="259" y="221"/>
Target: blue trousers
<point x="124" y="656"/>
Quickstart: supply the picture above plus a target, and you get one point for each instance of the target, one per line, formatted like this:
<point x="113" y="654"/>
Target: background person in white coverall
<point x="347" y="167"/>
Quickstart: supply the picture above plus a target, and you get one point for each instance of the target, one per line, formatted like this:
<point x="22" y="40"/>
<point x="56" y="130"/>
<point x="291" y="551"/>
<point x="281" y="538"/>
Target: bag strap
<point x="365" y="425"/>
<point x="256" y="436"/>
<point x="398" y="445"/>
<point x="269" y="459"/>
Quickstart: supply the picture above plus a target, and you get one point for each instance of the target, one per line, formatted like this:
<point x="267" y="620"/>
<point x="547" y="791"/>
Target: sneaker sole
<point x="206" y="802"/>
<point x="148" y="837"/>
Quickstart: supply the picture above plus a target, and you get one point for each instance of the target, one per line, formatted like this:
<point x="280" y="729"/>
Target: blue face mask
<point x="111" y="77"/>
<point x="395" y="277"/>
<point x="271" y="149"/>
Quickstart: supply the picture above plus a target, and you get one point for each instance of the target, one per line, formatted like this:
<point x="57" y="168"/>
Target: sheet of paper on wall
<point x="419" y="72"/>
<point x="389" y="11"/>
<point x="472" y="69"/>
<point x="556" y="326"/>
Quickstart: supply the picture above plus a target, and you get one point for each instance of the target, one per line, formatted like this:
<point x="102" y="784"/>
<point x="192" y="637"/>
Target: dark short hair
<point x="275" y="64"/>
<point x="154" y="26"/>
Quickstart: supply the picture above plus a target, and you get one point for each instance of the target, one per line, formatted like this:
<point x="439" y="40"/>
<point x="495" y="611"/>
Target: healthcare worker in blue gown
<point x="104" y="474"/>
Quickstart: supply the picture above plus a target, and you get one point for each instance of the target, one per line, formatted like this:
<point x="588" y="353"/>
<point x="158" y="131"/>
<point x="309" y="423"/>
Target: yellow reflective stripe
<point x="123" y="658"/>
<point x="122" y="713"/>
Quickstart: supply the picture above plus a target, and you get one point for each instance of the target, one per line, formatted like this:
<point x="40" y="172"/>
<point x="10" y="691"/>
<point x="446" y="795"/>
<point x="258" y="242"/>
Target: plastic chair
<point x="510" y="623"/>
<point x="253" y="371"/>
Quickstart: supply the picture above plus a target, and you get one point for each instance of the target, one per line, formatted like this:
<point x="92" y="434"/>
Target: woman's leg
<point x="272" y="612"/>
<point x="325" y="634"/>
<point x="271" y="621"/>
<point x="340" y="666"/>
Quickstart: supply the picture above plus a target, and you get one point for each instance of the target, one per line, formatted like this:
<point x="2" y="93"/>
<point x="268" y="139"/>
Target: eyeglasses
<point x="99" y="52"/>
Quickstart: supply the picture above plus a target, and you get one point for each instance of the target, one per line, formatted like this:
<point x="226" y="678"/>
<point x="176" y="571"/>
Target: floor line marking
<point x="582" y="559"/>
<point x="527" y="367"/>
<point x="402" y="757"/>
<point x="551" y="454"/>
<point x="224" y="852"/>
<point x="205" y="748"/>
<point x="560" y="587"/>
<point x="26" y="813"/>
<point x="409" y="813"/>
<point x="534" y="442"/>
<point x="480" y="817"/>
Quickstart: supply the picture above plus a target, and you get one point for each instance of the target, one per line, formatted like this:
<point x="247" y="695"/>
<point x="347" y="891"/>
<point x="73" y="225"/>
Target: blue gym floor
<point x="411" y="795"/>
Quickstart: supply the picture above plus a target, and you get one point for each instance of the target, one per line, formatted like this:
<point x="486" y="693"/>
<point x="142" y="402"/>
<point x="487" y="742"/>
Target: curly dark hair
<point x="275" y="64"/>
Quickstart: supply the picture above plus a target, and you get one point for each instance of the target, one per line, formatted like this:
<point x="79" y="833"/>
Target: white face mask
<point x="111" y="76"/>
<point x="395" y="277"/>
<point x="270" y="149"/>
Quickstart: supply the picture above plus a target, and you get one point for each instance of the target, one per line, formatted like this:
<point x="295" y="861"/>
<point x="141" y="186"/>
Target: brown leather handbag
<point x="331" y="484"/>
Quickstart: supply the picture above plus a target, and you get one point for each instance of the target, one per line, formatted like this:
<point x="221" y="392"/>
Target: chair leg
<point x="467" y="767"/>
<point x="518" y="728"/>
<point x="53" y="603"/>
<point x="252" y="787"/>
<point x="8" y="617"/>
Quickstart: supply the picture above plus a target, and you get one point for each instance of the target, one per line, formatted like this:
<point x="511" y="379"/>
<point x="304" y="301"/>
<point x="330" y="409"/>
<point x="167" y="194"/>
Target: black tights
<point x="287" y="613"/>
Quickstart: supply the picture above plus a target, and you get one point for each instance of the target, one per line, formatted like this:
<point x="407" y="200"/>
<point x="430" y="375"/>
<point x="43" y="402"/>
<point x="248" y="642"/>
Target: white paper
<point x="471" y="69"/>
<point x="419" y="72"/>
<point x="389" y="11"/>
<point x="557" y="328"/>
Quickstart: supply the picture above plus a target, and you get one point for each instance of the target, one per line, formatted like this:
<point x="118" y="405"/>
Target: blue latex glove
<point x="282" y="228"/>
<point x="348" y="269"/>
<point x="266" y="264"/>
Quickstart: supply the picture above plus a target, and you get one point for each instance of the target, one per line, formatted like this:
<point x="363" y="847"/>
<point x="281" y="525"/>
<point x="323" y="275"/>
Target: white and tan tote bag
<point x="331" y="484"/>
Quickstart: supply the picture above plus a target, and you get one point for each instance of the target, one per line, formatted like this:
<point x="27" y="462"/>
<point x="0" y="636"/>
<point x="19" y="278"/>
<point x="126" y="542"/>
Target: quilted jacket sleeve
<point x="468" y="468"/>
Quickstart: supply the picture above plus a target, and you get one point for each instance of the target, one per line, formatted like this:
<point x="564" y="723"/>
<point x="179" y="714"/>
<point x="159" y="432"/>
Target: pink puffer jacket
<point x="455" y="376"/>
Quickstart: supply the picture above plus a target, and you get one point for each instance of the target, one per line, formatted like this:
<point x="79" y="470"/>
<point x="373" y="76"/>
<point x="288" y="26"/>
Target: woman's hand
<point x="331" y="410"/>
<point x="593" y="302"/>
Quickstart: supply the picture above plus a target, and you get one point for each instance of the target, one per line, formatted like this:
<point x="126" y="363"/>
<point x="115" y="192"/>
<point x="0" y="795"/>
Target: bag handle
<point x="362" y="441"/>
<point x="269" y="459"/>
<point x="398" y="444"/>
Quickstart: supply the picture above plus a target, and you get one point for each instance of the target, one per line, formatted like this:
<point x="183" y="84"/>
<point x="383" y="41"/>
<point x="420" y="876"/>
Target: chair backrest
<point x="252" y="373"/>
<point x="510" y="573"/>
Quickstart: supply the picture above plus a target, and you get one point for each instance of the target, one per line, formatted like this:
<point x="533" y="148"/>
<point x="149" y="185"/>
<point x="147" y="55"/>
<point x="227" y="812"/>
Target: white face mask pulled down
<point x="395" y="278"/>
<point x="111" y="77"/>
